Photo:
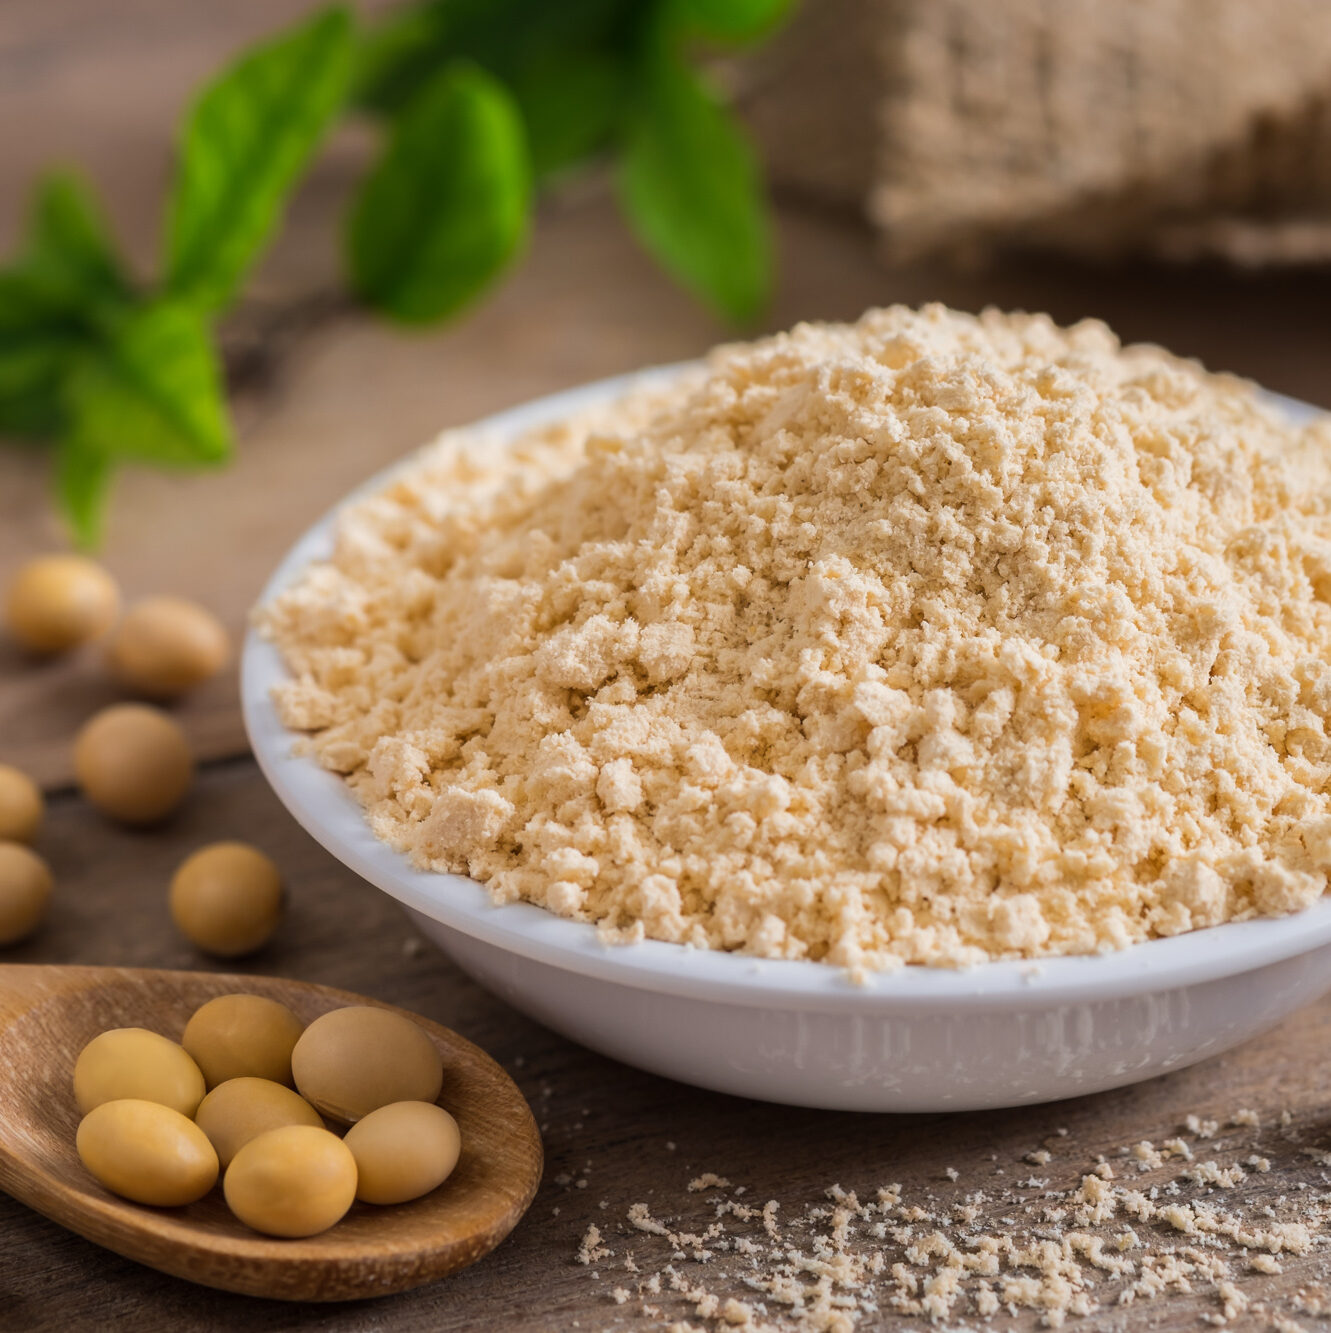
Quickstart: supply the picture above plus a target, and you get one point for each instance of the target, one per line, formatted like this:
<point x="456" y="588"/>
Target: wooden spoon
<point x="47" y="1015"/>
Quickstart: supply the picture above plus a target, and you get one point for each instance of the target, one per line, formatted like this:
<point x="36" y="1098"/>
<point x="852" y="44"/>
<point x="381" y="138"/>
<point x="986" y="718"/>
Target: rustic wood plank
<point x="603" y="1122"/>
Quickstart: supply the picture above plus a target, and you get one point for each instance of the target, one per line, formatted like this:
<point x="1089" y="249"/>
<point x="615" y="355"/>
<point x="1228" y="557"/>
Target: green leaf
<point x="69" y="251"/>
<point x="66" y="279"/>
<point x="32" y="373"/>
<point x="152" y="393"/>
<point x="82" y="482"/>
<point x="245" y="142"/>
<point x="571" y="105"/>
<point x="692" y="190"/>
<point x="36" y="347"/>
<point x="401" y="54"/>
<point x="26" y="304"/>
<point x="446" y="208"/>
<point x="398" y="56"/>
<point x="51" y="302"/>
<point x="731" y="21"/>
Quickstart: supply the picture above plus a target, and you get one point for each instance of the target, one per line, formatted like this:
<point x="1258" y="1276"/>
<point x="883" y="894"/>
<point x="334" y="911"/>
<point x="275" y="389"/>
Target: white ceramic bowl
<point x="920" y="1039"/>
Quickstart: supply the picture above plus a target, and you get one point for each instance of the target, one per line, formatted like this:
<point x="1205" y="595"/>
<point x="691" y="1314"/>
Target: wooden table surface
<point x="324" y="397"/>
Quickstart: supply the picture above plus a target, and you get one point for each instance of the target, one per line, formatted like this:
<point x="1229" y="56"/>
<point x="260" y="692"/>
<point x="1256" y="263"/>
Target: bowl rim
<point x="325" y="807"/>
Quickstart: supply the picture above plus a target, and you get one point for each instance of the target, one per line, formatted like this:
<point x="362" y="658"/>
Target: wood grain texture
<point x="48" y="1014"/>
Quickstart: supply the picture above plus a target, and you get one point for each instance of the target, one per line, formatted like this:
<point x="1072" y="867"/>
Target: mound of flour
<point x="930" y="638"/>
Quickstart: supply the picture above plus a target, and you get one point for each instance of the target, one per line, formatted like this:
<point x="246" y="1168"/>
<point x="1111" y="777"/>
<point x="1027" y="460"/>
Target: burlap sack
<point x="1178" y="127"/>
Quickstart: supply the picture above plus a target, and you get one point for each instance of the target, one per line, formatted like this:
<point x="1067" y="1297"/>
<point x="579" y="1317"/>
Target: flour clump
<point x="930" y="638"/>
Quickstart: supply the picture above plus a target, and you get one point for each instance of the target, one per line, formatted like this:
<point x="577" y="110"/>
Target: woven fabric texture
<point x="1178" y="127"/>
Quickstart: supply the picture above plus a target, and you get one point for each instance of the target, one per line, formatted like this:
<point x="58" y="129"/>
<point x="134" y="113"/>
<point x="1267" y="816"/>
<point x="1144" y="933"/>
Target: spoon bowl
<point x="48" y="1014"/>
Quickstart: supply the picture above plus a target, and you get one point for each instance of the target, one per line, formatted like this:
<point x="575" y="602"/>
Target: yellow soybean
<point x="352" y="1061"/>
<point x="25" y="888"/>
<point x="241" y="1109"/>
<point x="133" y="763"/>
<point x="137" y="1064"/>
<point x="165" y="646"/>
<point x="57" y="602"/>
<point x="403" y="1151"/>
<point x="242" y="1036"/>
<point x="21" y="805"/>
<point x="147" y="1152"/>
<point x="226" y="899"/>
<point x="295" y="1181"/>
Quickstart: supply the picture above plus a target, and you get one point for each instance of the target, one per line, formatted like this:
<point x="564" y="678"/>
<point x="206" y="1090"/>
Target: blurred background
<point x="411" y="216"/>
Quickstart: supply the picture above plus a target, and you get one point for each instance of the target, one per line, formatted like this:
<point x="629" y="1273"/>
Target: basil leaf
<point x="731" y="21"/>
<point x="69" y="254"/>
<point x="571" y="105"/>
<point x="32" y="374"/>
<point x="152" y="392"/>
<point x="398" y="56"/>
<point x="446" y="208"/>
<point x="38" y="342"/>
<point x="51" y="302"/>
<point x="504" y="37"/>
<point x="26" y="305"/>
<point x="82" y="482"/>
<point x="244" y="144"/>
<point x="692" y="191"/>
<point x="52" y="298"/>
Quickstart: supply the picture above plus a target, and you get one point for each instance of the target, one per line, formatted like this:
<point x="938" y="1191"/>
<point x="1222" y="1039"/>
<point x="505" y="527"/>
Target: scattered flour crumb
<point x="592" y="1250"/>
<point x="1147" y="1157"/>
<point x="1234" y="1302"/>
<point x="707" y="1181"/>
<point x="849" y="1262"/>
<point x="1212" y="1173"/>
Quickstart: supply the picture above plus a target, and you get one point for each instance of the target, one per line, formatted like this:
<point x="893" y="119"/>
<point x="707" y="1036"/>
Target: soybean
<point x="165" y="646"/>
<point x="227" y="899"/>
<point x="241" y="1109"/>
<point x="240" y="1036"/>
<point x="295" y="1181"/>
<point x="352" y="1061"/>
<point x="133" y="763"/>
<point x="403" y="1151"/>
<point x="147" y="1152"/>
<point x="21" y="805"/>
<point x="138" y="1064"/>
<point x="25" y="889"/>
<point x="57" y="602"/>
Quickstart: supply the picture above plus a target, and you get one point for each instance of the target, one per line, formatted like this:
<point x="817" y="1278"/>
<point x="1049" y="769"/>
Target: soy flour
<point x="930" y="638"/>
